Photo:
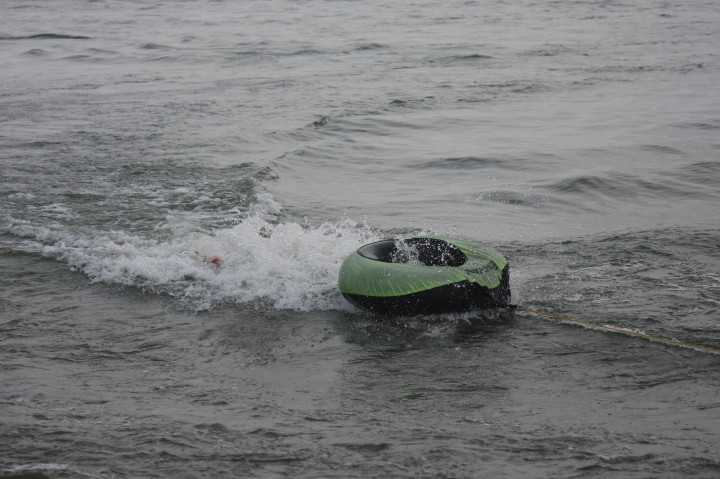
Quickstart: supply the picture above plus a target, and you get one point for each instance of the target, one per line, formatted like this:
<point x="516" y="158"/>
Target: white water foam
<point x="264" y="261"/>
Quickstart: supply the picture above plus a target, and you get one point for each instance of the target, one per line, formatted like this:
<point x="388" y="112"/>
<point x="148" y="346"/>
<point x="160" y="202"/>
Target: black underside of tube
<point x="455" y="297"/>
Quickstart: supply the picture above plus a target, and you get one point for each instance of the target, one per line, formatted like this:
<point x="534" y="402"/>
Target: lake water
<point x="579" y="138"/>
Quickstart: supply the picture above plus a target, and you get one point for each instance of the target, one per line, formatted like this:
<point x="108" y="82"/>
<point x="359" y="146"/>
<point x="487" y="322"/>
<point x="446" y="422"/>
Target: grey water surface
<point x="138" y="138"/>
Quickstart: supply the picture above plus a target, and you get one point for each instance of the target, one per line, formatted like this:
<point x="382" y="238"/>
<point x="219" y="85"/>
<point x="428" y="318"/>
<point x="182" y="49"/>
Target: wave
<point x="699" y="180"/>
<point x="472" y="163"/>
<point x="515" y="198"/>
<point x="602" y="185"/>
<point x="662" y="149"/>
<point x="46" y="36"/>
<point x="36" y="52"/>
<point x="711" y="124"/>
<point x="368" y="47"/>
<point x="471" y="57"/>
<point x="547" y="51"/>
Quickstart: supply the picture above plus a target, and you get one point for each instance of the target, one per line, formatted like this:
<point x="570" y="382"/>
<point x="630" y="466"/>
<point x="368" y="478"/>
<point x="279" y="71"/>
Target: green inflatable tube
<point x="430" y="274"/>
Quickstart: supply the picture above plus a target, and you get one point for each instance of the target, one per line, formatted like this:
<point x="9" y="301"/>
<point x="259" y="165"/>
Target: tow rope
<point x="614" y="329"/>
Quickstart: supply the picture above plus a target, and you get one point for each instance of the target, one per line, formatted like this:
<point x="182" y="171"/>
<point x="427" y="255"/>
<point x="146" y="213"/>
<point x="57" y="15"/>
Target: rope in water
<point x="651" y="337"/>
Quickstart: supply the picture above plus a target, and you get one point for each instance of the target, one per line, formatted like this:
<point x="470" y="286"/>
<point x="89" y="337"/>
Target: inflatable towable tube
<point x="421" y="275"/>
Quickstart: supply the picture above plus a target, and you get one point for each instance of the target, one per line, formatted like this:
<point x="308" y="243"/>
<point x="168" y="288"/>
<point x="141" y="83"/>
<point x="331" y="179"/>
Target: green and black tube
<point x="425" y="275"/>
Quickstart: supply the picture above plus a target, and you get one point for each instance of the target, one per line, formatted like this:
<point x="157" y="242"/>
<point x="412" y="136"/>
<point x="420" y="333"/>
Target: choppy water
<point x="579" y="138"/>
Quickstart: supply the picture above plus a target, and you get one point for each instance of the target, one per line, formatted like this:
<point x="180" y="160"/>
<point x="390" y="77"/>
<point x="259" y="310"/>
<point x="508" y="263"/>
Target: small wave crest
<point x="680" y="183"/>
<point x="472" y="163"/>
<point x="46" y="36"/>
